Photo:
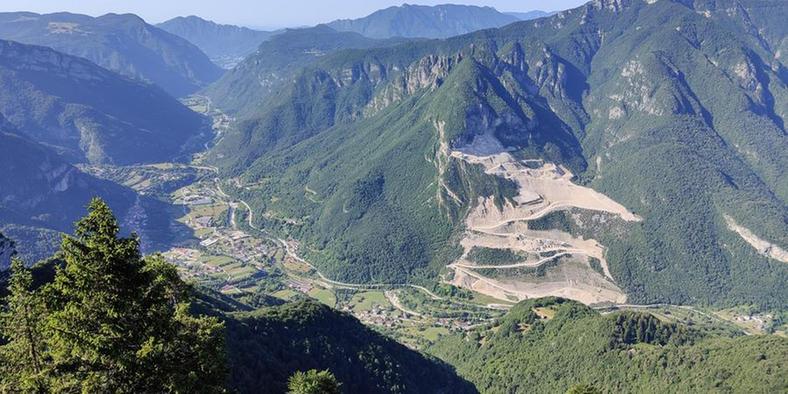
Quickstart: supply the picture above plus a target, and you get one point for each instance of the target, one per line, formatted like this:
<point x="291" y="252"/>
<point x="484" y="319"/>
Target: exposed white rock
<point x="763" y="247"/>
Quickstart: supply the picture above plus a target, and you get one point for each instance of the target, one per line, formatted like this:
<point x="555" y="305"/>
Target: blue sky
<point x="260" y="13"/>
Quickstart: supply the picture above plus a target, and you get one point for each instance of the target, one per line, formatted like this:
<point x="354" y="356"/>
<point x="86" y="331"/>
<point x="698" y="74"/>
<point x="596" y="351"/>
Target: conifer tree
<point x="313" y="382"/>
<point x="22" y="360"/>
<point x="112" y="321"/>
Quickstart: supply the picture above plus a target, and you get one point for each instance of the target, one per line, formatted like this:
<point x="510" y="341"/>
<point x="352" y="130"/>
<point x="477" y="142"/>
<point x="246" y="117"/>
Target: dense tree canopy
<point x="313" y="382"/>
<point x="111" y="321"/>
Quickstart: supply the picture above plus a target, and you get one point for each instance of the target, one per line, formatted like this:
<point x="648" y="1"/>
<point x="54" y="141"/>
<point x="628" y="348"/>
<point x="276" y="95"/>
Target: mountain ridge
<point x="416" y="21"/>
<point x="226" y="45"/>
<point x="88" y="113"/>
<point x="123" y="43"/>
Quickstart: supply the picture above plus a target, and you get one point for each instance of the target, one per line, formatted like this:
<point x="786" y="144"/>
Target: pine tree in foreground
<point x="112" y="321"/>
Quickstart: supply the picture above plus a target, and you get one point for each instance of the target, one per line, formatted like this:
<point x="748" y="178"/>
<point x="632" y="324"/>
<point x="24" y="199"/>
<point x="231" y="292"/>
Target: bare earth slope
<point x="543" y="188"/>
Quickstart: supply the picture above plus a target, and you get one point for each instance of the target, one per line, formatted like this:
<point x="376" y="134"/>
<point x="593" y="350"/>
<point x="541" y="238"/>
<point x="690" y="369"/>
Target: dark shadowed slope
<point x="90" y="114"/>
<point x="7" y="251"/>
<point x="42" y="195"/>
<point x="266" y="346"/>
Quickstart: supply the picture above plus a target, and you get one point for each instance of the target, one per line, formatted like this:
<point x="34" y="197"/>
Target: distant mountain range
<point x="527" y="16"/>
<point x="226" y="45"/>
<point x="411" y="21"/>
<point x="90" y="114"/>
<point x="121" y="43"/>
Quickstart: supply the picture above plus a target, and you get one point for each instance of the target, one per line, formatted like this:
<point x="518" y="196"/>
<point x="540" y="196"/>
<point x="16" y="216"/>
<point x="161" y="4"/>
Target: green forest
<point x="549" y="345"/>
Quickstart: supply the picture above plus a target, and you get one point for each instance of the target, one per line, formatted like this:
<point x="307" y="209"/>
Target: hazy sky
<point x="261" y="13"/>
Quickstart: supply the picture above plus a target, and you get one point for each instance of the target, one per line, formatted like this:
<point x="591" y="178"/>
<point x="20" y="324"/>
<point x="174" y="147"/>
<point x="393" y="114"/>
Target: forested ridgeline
<point x="549" y="345"/>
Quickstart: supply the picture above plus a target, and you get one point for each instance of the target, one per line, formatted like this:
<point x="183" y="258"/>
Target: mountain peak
<point x="440" y="21"/>
<point x="226" y="45"/>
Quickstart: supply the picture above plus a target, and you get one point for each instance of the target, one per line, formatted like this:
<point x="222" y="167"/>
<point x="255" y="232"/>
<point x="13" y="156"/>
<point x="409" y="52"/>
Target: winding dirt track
<point x="543" y="189"/>
<point x="517" y="265"/>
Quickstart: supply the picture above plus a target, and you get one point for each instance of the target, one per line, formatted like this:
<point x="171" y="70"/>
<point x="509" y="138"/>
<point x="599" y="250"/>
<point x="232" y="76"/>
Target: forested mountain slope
<point x="267" y="346"/>
<point x="122" y="43"/>
<point x="673" y="110"/>
<point x="438" y="21"/>
<point x="549" y="345"/>
<point x="225" y="45"/>
<point x="262" y="75"/>
<point x="89" y="114"/>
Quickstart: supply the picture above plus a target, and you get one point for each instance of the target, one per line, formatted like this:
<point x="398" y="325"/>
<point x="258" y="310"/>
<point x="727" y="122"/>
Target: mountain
<point x="90" y="114"/>
<point x="549" y="345"/>
<point x="438" y="21"/>
<point x="268" y="345"/>
<point x="225" y="45"/>
<point x="7" y="251"/>
<point x="122" y="43"/>
<point x="527" y="16"/>
<point x="622" y="151"/>
<point x="242" y="90"/>
<point x="41" y="195"/>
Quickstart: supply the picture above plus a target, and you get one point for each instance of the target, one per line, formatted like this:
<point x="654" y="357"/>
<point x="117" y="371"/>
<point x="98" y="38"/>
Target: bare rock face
<point x="427" y="73"/>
